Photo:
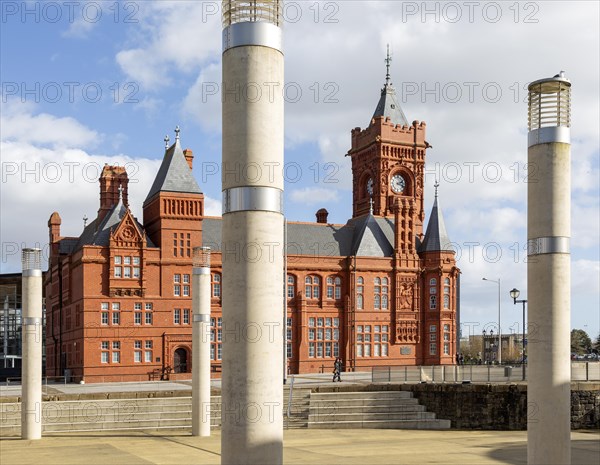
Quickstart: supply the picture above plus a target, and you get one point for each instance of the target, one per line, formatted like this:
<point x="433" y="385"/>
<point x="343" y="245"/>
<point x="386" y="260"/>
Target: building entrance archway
<point x="180" y="361"/>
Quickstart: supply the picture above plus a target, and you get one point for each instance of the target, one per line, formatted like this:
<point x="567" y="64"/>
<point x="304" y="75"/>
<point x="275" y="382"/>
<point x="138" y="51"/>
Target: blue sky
<point x="88" y="83"/>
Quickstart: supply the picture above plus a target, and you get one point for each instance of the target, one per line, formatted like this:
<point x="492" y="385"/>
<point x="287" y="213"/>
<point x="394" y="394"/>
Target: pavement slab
<point x="330" y="447"/>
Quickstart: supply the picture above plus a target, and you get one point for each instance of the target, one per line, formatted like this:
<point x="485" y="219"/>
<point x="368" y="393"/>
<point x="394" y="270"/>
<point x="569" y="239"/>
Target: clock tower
<point x="388" y="158"/>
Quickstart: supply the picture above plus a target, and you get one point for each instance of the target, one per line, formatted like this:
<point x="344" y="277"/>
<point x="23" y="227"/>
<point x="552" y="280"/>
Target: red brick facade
<point x="119" y="300"/>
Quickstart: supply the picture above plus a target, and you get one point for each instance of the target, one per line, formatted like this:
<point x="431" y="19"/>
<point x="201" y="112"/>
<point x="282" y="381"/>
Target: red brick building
<point x="374" y="291"/>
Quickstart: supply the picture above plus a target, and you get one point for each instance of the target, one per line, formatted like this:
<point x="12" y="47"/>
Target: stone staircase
<point x="298" y="408"/>
<point x="153" y="413"/>
<point x="135" y="414"/>
<point x="380" y="409"/>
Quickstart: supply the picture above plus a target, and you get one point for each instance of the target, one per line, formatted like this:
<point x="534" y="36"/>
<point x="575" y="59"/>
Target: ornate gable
<point x="127" y="233"/>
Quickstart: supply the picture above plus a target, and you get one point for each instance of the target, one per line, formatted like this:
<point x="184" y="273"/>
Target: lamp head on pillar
<point x="514" y="293"/>
<point x="201" y="257"/>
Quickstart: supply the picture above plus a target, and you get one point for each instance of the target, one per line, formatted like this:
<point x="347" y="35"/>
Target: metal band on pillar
<point x="258" y="23"/>
<point x="258" y="198"/>
<point x="545" y="245"/>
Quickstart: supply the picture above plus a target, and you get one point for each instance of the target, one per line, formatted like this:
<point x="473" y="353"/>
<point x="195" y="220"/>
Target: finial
<point x="436" y="185"/>
<point x="120" y="192"/>
<point x="85" y="218"/>
<point x="177" y="131"/>
<point x="371" y="206"/>
<point x="167" y="139"/>
<point x="388" y="60"/>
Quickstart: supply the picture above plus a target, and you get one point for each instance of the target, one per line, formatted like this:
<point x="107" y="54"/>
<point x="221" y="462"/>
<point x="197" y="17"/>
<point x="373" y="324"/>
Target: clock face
<point x="370" y="186"/>
<point x="398" y="184"/>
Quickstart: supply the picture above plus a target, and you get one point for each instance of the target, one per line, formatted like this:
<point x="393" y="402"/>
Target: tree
<point x="596" y="347"/>
<point x="580" y="342"/>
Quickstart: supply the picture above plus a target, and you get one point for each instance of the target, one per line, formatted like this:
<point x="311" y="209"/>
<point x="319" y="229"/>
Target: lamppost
<point x="484" y="347"/>
<point x="515" y="295"/>
<point x="499" y="330"/>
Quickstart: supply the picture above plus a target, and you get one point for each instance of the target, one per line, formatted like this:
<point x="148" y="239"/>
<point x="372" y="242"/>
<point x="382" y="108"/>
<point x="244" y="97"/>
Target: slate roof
<point x="95" y="234"/>
<point x="174" y="174"/>
<point x="366" y="236"/>
<point x="436" y="238"/>
<point x="369" y="239"/>
<point x="67" y="245"/>
<point x="388" y="106"/>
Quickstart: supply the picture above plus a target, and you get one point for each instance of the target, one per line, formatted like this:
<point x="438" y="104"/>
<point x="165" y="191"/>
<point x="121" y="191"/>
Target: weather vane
<point x="388" y="60"/>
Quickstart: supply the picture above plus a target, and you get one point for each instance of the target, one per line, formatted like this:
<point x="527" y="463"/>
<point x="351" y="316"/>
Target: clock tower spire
<point x="388" y="159"/>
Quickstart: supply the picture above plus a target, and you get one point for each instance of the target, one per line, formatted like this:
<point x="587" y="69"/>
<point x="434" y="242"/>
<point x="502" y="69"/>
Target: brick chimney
<point x="54" y="233"/>
<point x="111" y="178"/>
<point x="189" y="157"/>
<point x="322" y="215"/>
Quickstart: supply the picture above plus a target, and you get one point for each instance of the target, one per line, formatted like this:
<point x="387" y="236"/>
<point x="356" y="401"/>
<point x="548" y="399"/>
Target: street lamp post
<point x="515" y="295"/>
<point x="484" y="347"/>
<point x="499" y="330"/>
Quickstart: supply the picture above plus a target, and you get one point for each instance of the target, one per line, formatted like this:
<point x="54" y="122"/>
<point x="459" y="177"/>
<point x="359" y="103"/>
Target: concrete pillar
<point x="252" y="234"/>
<point x="201" y="342"/>
<point x="548" y="272"/>
<point x="31" y="398"/>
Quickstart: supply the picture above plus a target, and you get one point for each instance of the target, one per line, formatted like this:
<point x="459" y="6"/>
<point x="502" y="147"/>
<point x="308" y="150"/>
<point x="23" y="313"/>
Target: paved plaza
<point x="301" y="446"/>
<point x="327" y="447"/>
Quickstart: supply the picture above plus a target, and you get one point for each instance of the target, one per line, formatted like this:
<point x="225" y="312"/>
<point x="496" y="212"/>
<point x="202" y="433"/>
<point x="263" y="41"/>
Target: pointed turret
<point x="174" y="207"/>
<point x="174" y="174"/>
<point x="436" y="238"/>
<point x="388" y="106"/>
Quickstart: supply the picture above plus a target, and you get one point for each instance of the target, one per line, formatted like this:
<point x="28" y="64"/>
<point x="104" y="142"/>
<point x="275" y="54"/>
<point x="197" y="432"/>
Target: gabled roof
<point x="388" y="106"/>
<point x="436" y="238"/>
<point x="174" y="174"/>
<point x="369" y="239"/>
<point x="95" y="234"/>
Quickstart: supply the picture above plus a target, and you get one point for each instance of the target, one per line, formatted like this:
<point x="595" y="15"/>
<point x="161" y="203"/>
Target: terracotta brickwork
<point x="119" y="296"/>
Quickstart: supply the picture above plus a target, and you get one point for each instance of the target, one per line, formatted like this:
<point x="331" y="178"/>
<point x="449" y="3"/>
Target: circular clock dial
<point x="370" y="186"/>
<point x="398" y="183"/>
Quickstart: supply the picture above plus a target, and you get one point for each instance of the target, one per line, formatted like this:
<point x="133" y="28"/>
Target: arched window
<point x="291" y="286"/>
<point x="330" y="287"/>
<point x="384" y="293"/>
<point x="433" y="282"/>
<point x="447" y="293"/>
<point x="216" y="285"/>
<point x="312" y="287"/>
<point x="377" y="293"/>
<point x="446" y="301"/>
<point x="360" y="288"/>
<point x="432" y="302"/>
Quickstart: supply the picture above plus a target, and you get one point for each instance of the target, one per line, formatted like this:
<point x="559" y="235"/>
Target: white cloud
<point x="20" y="125"/>
<point x="79" y="28"/>
<point x="172" y="36"/>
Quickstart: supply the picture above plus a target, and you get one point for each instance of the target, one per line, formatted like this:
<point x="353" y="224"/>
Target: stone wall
<point x="491" y="406"/>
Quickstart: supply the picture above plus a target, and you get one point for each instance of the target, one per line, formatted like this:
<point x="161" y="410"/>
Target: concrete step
<point x="368" y="416"/>
<point x="361" y="395"/>
<point x="383" y="424"/>
<point x="341" y="408"/>
<point x="362" y="402"/>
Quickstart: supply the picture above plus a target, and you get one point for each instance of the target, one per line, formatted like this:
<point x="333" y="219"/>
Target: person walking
<point x="337" y="369"/>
